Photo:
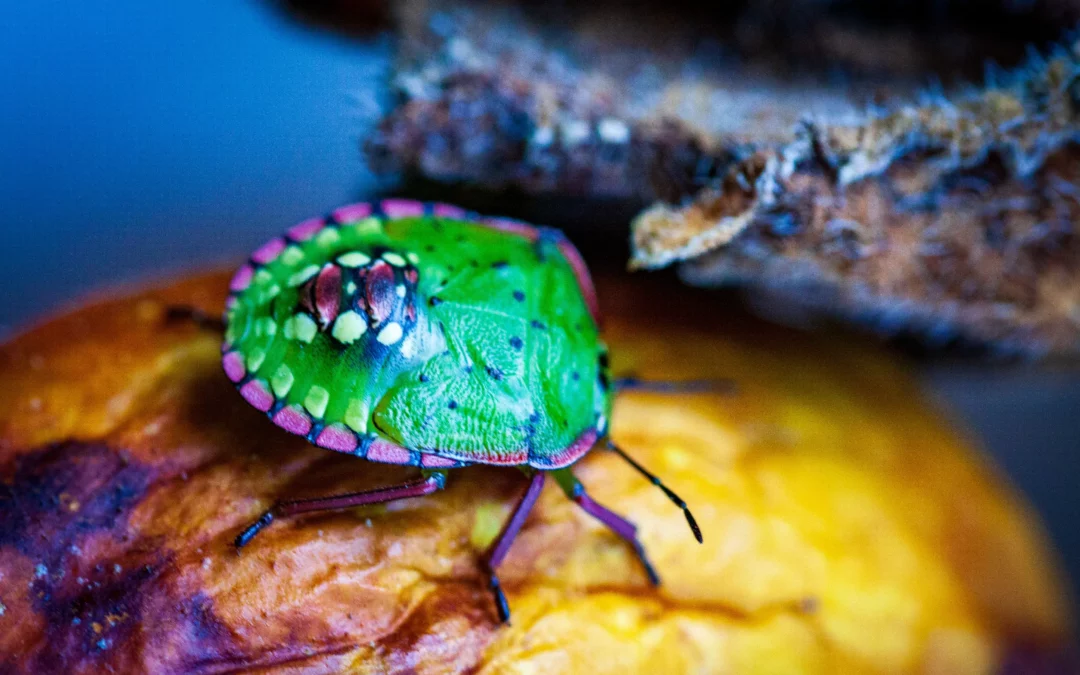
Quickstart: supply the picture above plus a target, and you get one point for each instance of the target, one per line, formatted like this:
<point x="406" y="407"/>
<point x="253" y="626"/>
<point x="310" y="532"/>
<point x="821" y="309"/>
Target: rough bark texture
<point x="804" y="155"/>
<point x="846" y="528"/>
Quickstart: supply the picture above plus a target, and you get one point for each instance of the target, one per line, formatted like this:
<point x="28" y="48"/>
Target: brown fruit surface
<point x="847" y="528"/>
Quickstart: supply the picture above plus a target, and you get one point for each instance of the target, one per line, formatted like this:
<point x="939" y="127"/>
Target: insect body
<point x="422" y="335"/>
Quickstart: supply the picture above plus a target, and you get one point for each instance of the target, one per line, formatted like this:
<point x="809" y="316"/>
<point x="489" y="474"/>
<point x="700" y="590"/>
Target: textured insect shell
<point x="420" y="334"/>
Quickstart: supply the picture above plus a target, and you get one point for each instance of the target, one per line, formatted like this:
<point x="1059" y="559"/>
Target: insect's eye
<point x="387" y="288"/>
<point x="321" y="295"/>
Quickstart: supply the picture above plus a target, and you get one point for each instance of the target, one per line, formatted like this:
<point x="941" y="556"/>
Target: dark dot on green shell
<point x="460" y="239"/>
<point x="534" y="418"/>
<point x="468" y="368"/>
<point x="473" y="263"/>
<point x="452" y="404"/>
<point x="516" y="342"/>
<point x="435" y="301"/>
<point x="423" y="377"/>
<point x="537" y="325"/>
<point x="499" y="264"/>
<point x="493" y="372"/>
<point x="519" y="296"/>
<point x="430" y="248"/>
<point x="575" y="375"/>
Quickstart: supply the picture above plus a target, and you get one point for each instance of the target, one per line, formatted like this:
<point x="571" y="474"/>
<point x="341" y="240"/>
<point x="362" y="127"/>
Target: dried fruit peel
<point x="847" y="528"/>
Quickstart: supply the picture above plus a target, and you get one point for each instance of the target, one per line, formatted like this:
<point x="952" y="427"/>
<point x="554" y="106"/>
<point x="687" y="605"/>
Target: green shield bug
<point x="424" y="335"/>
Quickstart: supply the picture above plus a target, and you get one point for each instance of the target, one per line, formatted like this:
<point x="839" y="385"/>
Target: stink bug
<point x="424" y="335"/>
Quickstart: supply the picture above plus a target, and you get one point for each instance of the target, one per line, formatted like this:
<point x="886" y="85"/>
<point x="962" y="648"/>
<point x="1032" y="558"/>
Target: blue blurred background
<point x="141" y="139"/>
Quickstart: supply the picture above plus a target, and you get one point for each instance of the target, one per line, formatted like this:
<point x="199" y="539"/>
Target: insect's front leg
<point x="429" y="482"/>
<point x="186" y="313"/>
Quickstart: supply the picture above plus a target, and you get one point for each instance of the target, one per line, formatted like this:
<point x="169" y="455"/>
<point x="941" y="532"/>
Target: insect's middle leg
<point x="616" y="523"/>
<point x="425" y="485"/>
<point x="501" y="546"/>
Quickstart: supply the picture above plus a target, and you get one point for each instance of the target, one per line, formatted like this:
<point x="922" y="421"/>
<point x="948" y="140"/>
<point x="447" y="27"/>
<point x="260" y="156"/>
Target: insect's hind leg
<point x="616" y="523"/>
<point x="547" y="236"/>
<point x="428" y="483"/>
<point x="178" y="313"/>
<point x="717" y="386"/>
<point x="498" y="549"/>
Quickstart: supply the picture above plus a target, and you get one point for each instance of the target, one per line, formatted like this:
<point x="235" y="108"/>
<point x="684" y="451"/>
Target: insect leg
<point x="195" y="315"/>
<point x="425" y="485"/>
<point x="720" y="386"/>
<point x="652" y="478"/>
<point x="501" y="546"/>
<point x="548" y="236"/>
<point x="616" y="523"/>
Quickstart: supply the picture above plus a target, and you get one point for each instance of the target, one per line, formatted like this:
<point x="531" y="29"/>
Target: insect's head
<point x="365" y="295"/>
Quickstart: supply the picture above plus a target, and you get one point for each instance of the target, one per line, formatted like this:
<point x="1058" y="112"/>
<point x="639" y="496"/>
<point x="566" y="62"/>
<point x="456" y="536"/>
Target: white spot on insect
<point x="601" y="424"/>
<point x="316" y="400"/>
<point x="367" y="225"/>
<point x="327" y="237"/>
<point x="348" y="327"/>
<point x="266" y="326"/>
<point x="291" y="255"/>
<point x="262" y="278"/>
<point x="268" y="294"/>
<point x="574" y="132"/>
<point x="356" y="416"/>
<point x="350" y="288"/>
<point x="413" y="258"/>
<point x="303" y="275"/>
<point x="282" y="381"/>
<point x="612" y="130"/>
<point x="353" y="259"/>
<point x="408" y="347"/>
<point x="400" y="290"/>
<point x="255" y="359"/>
<point x="390" y="334"/>
<point x="300" y="327"/>
<point x="394" y="259"/>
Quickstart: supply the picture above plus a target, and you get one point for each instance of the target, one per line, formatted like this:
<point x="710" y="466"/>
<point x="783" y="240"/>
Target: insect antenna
<point x="177" y="313"/>
<point x="652" y="478"/>
<point x="720" y="386"/>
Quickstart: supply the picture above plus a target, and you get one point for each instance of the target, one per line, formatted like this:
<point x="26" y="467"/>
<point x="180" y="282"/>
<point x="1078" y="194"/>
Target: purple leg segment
<point x="616" y="523"/>
<point x="414" y="488"/>
<point x="496" y="553"/>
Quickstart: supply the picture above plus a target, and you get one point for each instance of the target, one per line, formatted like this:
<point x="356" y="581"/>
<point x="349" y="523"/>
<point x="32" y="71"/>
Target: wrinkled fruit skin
<point x="847" y="529"/>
